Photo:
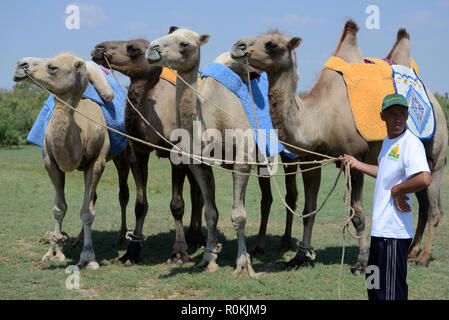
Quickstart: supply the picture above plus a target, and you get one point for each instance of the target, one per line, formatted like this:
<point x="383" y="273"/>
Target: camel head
<point x="127" y="57"/>
<point x="180" y="49"/>
<point x="65" y="75"/>
<point x="270" y="52"/>
<point x="400" y="53"/>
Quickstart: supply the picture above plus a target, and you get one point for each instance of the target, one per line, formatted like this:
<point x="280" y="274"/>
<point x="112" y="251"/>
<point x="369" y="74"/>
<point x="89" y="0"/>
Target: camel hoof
<point x="412" y="262"/>
<point x="212" y="267"/>
<point x="303" y="258"/>
<point x="132" y="255"/>
<point x="357" y="270"/>
<point x="423" y="261"/>
<point x="244" y="267"/>
<point x="179" y="258"/>
<point x="51" y="256"/>
<point x="354" y="271"/>
<point x="88" y="265"/>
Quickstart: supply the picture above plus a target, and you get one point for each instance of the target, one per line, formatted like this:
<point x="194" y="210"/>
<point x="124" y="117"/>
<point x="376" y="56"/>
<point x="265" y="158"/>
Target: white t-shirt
<point x="399" y="159"/>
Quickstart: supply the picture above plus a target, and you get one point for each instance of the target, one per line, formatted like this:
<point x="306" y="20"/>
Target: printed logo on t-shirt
<point x="394" y="153"/>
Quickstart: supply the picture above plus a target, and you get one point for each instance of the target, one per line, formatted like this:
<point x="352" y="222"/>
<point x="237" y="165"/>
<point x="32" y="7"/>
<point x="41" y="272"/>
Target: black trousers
<point x="386" y="272"/>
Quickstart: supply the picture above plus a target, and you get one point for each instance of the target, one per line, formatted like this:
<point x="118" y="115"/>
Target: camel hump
<point x="400" y="53"/>
<point x="347" y="47"/>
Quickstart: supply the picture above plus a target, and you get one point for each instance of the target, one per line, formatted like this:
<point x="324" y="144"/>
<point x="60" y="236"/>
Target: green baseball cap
<point x="394" y="100"/>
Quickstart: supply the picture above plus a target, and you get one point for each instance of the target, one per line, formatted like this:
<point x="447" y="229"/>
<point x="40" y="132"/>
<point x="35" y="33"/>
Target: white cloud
<point x="91" y="15"/>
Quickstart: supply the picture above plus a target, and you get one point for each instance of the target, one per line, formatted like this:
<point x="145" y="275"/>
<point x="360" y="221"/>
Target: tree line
<point x="20" y="106"/>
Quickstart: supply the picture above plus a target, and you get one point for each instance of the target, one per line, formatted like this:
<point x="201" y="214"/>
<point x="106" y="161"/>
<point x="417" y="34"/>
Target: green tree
<point x="19" y="109"/>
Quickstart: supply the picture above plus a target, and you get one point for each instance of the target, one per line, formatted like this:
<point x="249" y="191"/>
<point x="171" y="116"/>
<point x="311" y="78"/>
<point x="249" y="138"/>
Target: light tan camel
<point x="310" y="123"/>
<point x="73" y="142"/>
<point x="181" y="51"/>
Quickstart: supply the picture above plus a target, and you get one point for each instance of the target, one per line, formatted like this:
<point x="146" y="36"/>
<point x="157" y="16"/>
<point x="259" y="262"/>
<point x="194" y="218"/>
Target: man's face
<point x="395" y="118"/>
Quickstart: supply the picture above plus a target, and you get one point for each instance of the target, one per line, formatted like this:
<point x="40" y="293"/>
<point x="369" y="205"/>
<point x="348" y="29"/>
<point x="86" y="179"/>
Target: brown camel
<point x="327" y="101"/>
<point x="73" y="142"/>
<point x="154" y="97"/>
<point x="181" y="50"/>
<point x="127" y="57"/>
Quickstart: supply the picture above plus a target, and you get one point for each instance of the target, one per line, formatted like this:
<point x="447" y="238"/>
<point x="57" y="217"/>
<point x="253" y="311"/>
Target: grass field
<point x="26" y="196"/>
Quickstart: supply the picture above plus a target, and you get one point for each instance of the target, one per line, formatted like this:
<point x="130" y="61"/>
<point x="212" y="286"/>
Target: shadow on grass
<point x="157" y="249"/>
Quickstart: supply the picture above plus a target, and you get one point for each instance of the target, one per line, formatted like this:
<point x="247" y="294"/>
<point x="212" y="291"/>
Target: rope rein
<point x="349" y="213"/>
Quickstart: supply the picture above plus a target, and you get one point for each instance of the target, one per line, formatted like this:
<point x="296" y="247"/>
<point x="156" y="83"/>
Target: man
<point x="402" y="169"/>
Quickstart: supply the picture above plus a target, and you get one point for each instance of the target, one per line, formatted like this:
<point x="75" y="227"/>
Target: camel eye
<point x="52" y="68"/>
<point x="270" y="45"/>
<point x="184" y="44"/>
<point x="133" y="51"/>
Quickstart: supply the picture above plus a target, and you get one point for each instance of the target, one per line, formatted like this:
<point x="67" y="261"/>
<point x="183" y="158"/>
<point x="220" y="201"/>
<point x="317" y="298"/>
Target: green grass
<point x="26" y="196"/>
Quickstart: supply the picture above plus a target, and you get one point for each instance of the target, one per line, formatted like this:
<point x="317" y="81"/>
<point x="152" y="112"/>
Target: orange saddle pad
<point x="169" y="75"/>
<point x="367" y="85"/>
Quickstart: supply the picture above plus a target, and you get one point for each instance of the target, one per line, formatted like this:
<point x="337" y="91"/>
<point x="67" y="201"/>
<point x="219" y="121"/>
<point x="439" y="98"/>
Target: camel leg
<point x="265" y="206"/>
<point x="79" y="242"/>
<point x="433" y="217"/>
<point x="122" y="165"/>
<point x="139" y="168"/>
<point x="358" y="221"/>
<point x="423" y="201"/>
<point x="91" y="178"/>
<point x="204" y="176"/>
<point x="238" y="217"/>
<point x="291" y="197"/>
<point x="305" y="253"/>
<point x="194" y="235"/>
<point x="179" y="251"/>
<point x="57" y="238"/>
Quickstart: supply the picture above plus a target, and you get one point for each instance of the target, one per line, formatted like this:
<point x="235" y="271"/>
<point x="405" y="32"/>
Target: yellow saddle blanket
<point x="169" y="75"/>
<point x="367" y="85"/>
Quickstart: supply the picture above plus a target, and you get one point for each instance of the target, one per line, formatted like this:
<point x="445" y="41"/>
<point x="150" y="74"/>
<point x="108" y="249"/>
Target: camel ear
<point x="294" y="43"/>
<point x="79" y="65"/>
<point x="204" y="38"/>
<point x="172" y="29"/>
<point x="97" y="78"/>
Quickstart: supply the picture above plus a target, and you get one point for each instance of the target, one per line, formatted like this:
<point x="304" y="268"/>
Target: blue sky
<point x="37" y="28"/>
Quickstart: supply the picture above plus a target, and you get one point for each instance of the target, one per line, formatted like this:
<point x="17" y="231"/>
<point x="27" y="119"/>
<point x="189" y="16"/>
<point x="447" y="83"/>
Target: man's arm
<point x="414" y="184"/>
<point x="369" y="169"/>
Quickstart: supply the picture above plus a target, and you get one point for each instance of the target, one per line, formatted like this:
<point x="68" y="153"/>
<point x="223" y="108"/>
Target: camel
<point x="295" y="118"/>
<point x="155" y="99"/>
<point x="127" y="57"/>
<point x="73" y="142"/>
<point x="180" y="49"/>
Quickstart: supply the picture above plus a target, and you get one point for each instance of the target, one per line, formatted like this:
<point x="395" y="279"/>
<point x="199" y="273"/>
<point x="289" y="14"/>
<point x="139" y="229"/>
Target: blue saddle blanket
<point x="114" y="114"/>
<point x="259" y="86"/>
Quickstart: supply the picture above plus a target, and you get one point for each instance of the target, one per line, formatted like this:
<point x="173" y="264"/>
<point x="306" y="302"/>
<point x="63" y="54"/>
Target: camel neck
<point x="186" y="98"/>
<point x="64" y="130"/>
<point x="293" y="117"/>
<point x="140" y="86"/>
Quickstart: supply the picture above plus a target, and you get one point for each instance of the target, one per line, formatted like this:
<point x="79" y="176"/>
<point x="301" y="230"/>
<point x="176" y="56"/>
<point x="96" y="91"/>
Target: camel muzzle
<point x="97" y="53"/>
<point x="153" y="55"/>
<point x="20" y="71"/>
<point x="238" y="51"/>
